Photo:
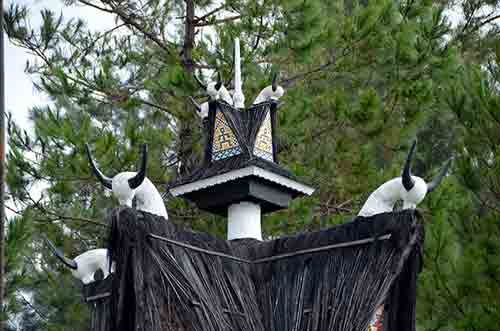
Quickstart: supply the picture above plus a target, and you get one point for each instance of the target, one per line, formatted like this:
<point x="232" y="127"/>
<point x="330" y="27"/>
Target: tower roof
<point x="240" y="162"/>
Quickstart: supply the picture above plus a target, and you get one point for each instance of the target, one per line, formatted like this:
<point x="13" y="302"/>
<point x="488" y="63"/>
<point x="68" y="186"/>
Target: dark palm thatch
<point x="171" y="279"/>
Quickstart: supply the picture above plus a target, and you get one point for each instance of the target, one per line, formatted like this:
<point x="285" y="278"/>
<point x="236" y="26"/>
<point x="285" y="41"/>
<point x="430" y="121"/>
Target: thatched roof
<point x="171" y="279"/>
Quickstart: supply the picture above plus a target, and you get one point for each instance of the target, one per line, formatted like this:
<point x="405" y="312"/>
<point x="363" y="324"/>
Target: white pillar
<point x="243" y="221"/>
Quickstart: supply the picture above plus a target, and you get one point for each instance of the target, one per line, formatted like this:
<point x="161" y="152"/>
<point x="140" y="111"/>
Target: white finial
<point x="238" y="97"/>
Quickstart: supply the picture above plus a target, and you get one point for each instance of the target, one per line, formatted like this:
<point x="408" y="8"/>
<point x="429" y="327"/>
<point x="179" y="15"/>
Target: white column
<point x="243" y="221"/>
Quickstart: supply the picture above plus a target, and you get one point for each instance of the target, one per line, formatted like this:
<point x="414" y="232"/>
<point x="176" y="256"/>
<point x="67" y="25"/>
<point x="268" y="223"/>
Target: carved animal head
<point x="124" y="184"/>
<point x="85" y="266"/>
<point x="201" y="110"/>
<point x="270" y="92"/>
<point x="415" y="188"/>
<point x="278" y="91"/>
<point x="212" y="88"/>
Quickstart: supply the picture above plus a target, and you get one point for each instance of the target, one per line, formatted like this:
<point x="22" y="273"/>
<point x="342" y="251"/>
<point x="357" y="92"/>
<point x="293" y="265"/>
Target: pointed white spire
<point x="238" y="97"/>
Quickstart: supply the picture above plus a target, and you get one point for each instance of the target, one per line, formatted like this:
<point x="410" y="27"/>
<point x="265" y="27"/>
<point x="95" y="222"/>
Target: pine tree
<point x="362" y="78"/>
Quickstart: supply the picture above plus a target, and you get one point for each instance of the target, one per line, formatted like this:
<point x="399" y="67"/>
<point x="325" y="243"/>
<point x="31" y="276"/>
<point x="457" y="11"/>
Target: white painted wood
<point x="89" y="263"/>
<point x="383" y="199"/>
<point x="268" y="94"/>
<point x="147" y="197"/>
<point x="225" y="95"/>
<point x="238" y="96"/>
<point x="203" y="110"/>
<point x="240" y="173"/>
<point x="243" y="221"/>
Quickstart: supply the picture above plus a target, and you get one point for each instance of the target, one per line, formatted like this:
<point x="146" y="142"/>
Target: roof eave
<point x="242" y="173"/>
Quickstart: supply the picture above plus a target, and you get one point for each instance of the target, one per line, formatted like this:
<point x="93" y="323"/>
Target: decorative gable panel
<point x="264" y="142"/>
<point x="376" y="323"/>
<point x="224" y="143"/>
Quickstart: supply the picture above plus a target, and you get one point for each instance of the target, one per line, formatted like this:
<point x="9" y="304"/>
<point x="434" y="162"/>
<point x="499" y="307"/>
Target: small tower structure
<point x="240" y="177"/>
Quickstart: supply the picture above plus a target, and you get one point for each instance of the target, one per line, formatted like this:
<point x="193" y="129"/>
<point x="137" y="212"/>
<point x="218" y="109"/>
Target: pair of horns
<point x="67" y="262"/>
<point x="203" y="86"/>
<point x="133" y="182"/>
<point x="408" y="182"/>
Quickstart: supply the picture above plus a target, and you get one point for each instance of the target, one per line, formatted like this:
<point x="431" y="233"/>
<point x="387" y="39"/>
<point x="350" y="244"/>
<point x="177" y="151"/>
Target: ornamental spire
<point x="238" y="97"/>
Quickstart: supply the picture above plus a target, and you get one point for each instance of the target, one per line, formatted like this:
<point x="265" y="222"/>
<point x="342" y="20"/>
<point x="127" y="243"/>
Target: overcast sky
<point x="20" y="94"/>
<point x="19" y="91"/>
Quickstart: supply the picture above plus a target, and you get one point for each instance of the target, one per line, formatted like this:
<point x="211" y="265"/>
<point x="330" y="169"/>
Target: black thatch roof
<point x="171" y="279"/>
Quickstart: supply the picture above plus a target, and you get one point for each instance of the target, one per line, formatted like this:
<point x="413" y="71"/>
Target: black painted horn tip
<point x="137" y="180"/>
<point x="87" y="148"/>
<point x="274" y="84"/>
<point x="195" y="104"/>
<point x="219" y="81"/>
<point x="68" y="262"/>
<point x="408" y="182"/>
<point x="413" y="145"/>
<point x="444" y="171"/>
<point x="200" y="83"/>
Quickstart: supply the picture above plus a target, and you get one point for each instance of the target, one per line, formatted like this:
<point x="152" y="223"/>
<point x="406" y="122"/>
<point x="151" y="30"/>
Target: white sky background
<point x="19" y="92"/>
<point x="20" y="95"/>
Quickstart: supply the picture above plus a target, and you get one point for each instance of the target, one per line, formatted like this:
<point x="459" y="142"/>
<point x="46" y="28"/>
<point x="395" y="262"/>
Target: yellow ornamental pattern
<point x="224" y="143"/>
<point x="264" y="141"/>
<point x="376" y="324"/>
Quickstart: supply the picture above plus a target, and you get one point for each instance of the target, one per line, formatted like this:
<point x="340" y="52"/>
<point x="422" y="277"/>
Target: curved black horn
<point x="68" y="262"/>
<point x="408" y="182"/>
<point x="203" y="86"/>
<point x="137" y="180"/>
<point x="219" y="81"/>
<point x="106" y="181"/>
<point x="436" y="181"/>
<point x="275" y="82"/>
<point x="195" y="104"/>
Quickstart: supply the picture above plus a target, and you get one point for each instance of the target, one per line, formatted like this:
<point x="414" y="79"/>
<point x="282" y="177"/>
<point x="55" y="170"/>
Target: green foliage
<point x="362" y="78"/>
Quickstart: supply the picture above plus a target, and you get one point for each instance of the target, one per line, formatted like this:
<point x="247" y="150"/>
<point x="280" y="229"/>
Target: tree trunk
<point x="187" y="125"/>
<point x="2" y="172"/>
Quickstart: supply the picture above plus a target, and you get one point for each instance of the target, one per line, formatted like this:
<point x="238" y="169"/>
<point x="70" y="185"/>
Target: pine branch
<point x="56" y="216"/>
<point x="106" y="10"/>
<point x="219" y="21"/>
<point x="210" y="13"/>
<point x="130" y="20"/>
<point x="40" y="314"/>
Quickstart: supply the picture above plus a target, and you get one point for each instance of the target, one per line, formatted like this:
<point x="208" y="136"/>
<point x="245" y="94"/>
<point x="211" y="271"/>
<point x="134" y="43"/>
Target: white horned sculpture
<point x="216" y="90"/>
<point x="202" y="110"/>
<point x="271" y="92"/>
<point x="85" y="265"/>
<point x="410" y="189"/>
<point x="129" y="185"/>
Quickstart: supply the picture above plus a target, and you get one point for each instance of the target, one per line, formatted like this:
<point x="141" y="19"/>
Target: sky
<point x="19" y="91"/>
<point x="20" y="94"/>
